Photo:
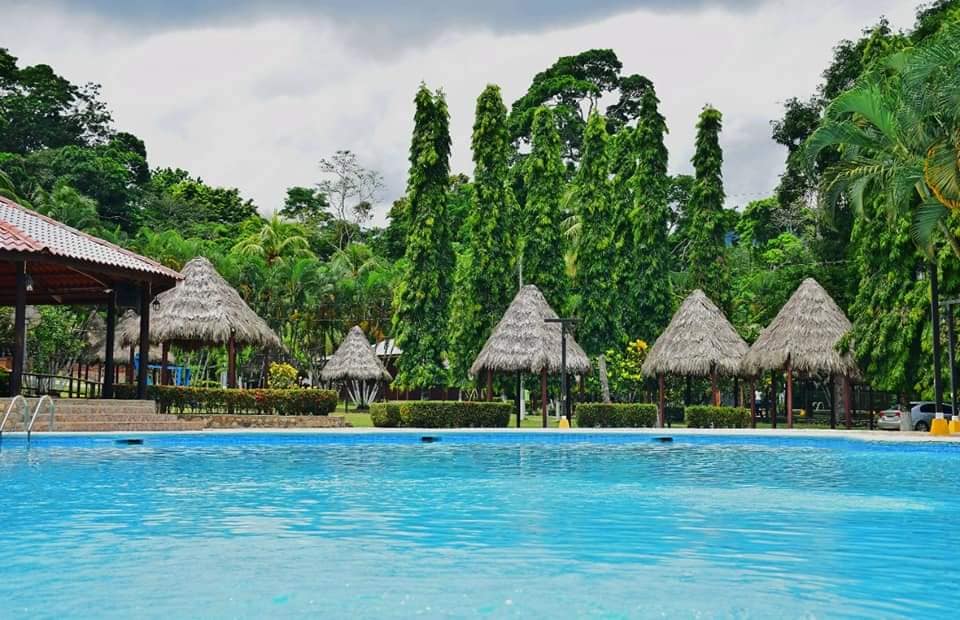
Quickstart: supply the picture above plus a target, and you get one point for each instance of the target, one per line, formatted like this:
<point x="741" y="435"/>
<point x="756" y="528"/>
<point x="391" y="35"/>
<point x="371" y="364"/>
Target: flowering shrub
<point x="281" y="376"/>
<point x="210" y="401"/>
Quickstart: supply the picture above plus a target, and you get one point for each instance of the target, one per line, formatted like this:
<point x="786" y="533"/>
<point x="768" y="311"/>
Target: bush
<point x="616" y="415"/>
<point x="708" y="416"/>
<point x="281" y="376"/>
<point x="385" y="415"/>
<point x="454" y="414"/>
<point x="172" y="399"/>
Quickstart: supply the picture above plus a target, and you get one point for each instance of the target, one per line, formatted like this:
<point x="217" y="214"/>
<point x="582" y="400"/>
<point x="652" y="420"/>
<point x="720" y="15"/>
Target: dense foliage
<point x="705" y="416"/>
<point x="616" y="415"/>
<point x="454" y="414"/>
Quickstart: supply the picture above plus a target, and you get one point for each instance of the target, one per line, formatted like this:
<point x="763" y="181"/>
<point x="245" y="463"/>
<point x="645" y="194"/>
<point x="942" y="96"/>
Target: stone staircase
<point x="80" y="415"/>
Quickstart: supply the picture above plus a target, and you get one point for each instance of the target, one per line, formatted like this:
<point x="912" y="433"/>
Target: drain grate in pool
<point x="129" y="442"/>
<point x="429" y="439"/>
<point x="663" y="439"/>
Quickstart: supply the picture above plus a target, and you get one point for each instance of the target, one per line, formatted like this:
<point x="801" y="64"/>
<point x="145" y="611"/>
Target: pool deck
<point x="890" y="436"/>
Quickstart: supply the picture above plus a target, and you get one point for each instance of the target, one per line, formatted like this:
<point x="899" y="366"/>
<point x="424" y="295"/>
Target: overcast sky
<point x="253" y="93"/>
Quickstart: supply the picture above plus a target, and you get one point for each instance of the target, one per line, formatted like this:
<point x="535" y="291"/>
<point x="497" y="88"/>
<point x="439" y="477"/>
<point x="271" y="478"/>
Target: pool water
<point x="505" y="525"/>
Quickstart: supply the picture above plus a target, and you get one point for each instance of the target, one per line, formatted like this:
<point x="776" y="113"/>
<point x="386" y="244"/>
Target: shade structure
<point x="524" y="342"/>
<point x="698" y="342"/>
<point x="96" y="339"/>
<point x="804" y="333"/>
<point x="202" y="310"/>
<point x="354" y="359"/>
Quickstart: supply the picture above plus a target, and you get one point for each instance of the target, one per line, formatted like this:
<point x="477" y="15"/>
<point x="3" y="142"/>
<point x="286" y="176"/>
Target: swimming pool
<point x="516" y="525"/>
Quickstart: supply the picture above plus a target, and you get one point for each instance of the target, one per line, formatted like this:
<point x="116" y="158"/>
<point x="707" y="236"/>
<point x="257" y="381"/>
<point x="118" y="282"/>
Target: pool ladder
<point x="25" y="409"/>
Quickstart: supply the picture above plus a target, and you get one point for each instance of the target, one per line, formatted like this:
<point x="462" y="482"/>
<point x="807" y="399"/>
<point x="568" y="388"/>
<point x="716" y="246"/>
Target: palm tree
<point x="277" y="240"/>
<point x="898" y="135"/>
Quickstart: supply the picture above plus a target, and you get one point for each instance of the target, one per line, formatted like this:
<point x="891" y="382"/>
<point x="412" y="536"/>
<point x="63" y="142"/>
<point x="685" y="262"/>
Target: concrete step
<point x="112" y="426"/>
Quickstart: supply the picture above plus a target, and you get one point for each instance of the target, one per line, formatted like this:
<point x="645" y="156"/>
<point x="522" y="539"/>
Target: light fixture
<point x="29" y="283"/>
<point x="155" y="304"/>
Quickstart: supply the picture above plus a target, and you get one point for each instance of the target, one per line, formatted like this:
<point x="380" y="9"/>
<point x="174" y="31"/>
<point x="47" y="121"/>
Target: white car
<point x="921" y="415"/>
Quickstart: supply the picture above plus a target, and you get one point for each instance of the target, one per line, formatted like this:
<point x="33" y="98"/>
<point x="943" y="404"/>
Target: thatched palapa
<point x="805" y="334"/>
<point x="354" y="359"/>
<point x="523" y="342"/>
<point x="204" y="309"/>
<point x="698" y="342"/>
<point x="97" y="336"/>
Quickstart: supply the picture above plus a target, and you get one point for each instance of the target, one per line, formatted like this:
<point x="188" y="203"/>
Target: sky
<point x="252" y="93"/>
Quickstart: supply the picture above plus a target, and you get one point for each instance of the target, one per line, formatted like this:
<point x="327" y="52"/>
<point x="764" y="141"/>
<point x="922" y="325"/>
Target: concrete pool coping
<point x="861" y="435"/>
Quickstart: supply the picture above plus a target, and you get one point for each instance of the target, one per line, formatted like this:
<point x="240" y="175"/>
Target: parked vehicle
<point x="921" y="415"/>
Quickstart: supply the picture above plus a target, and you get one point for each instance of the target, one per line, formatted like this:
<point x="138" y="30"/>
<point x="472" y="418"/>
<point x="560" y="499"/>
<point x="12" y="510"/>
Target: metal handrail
<point x="36" y="412"/>
<point x="23" y="403"/>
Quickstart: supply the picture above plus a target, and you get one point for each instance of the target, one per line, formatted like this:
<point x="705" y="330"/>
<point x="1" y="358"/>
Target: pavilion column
<point x="232" y="361"/>
<point x="661" y="401"/>
<point x="789" y="403"/>
<point x="164" y="361"/>
<point x="543" y="395"/>
<point x="846" y="402"/>
<point x="714" y="388"/>
<point x="130" y="364"/>
<point x="753" y="404"/>
<point x="109" y="342"/>
<point x="517" y="399"/>
<point x="19" y="328"/>
<point x="773" y="399"/>
<point x="489" y="384"/>
<point x="144" y="340"/>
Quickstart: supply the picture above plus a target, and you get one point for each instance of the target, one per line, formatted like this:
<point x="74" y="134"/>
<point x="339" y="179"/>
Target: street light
<point x="564" y="385"/>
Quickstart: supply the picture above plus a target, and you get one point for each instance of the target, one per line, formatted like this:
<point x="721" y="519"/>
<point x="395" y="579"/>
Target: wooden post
<point x="661" y="402"/>
<point x="753" y="404"/>
<point x="144" y="340"/>
<point x="773" y="400"/>
<point x="517" y="398"/>
<point x="833" y="402"/>
<point x="789" y="400"/>
<point x="232" y="361"/>
<point x="19" y="328"/>
<point x="543" y="395"/>
<point x="737" y="394"/>
<point x="846" y="402"/>
<point x="714" y="387"/>
<point x="164" y="360"/>
<point x="489" y="385"/>
<point x="130" y="365"/>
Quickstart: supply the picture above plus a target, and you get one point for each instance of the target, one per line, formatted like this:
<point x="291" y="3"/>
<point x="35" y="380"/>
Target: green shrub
<point x="386" y="415"/>
<point x="454" y="414"/>
<point x="174" y="399"/>
<point x="616" y="415"/>
<point x="281" y="376"/>
<point x="708" y="416"/>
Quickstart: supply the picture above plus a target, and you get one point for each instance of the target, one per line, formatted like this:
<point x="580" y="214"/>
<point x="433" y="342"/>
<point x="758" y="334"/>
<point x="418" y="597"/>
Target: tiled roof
<point x="23" y="230"/>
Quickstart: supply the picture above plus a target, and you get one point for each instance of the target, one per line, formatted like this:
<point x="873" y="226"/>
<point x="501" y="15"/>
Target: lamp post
<point x="564" y="384"/>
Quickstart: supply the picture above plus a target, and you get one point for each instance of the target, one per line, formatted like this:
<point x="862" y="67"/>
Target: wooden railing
<point x="39" y="384"/>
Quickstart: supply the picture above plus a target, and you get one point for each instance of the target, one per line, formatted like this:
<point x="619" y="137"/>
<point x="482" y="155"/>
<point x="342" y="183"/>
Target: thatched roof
<point x="203" y="310"/>
<point x="354" y="359"/>
<point x="698" y="340"/>
<point x="805" y="331"/>
<point x="523" y="341"/>
<point x="97" y="336"/>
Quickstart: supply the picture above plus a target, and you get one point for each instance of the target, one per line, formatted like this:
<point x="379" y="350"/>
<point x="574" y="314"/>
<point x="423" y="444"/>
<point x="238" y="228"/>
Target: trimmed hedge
<point x="708" y="416"/>
<point x="446" y="414"/>
<point x="616" y="415"/>
<point x="385" y="415"/>
<point x="211" y="401"/>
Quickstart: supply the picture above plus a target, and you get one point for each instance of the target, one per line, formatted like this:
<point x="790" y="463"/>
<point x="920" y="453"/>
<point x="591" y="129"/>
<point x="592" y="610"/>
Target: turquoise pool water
<point x="509" y="525"/>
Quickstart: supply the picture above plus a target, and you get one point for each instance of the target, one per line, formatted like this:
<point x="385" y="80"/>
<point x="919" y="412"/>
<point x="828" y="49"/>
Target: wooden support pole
<point x="543" y="395"/>
<point x="489" y="385"/>
<point x="714" y="387"/>
<point x="661" y="401"/>
<point x="833" y="402"/>
<point x="19" y="329"/>
<point x="789" y="400"/>
<point x="517" y="398"/>
<point x="164" y="361"/>
<point x="773" y="400"/>
<point x="145" y="297"/>
<point x="846" y="402"/>
<point x="753" y="404"/>
<point x="232" y="361"/>
<point x="130" y="364"/>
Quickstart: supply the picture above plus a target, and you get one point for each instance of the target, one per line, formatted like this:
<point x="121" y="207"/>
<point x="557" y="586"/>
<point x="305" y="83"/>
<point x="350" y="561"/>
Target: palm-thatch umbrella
<point x="698" y="342"/>
<point x="203" y="309"/>
<point x="524" y="342"/>
<point x="355" y="362"/>
<point x="803" y="338"/>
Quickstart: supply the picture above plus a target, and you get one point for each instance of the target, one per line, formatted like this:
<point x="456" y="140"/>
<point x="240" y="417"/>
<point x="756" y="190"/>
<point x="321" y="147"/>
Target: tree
<point x="597" y="300"/>
<point x="275" y="241"/>
<point x="645" y="283"/>
<point x="708" y="269"/>
<point x="351" y="191"/>
<point x="544" y="179"/>
<point x="420" y="299"/>
<point x="485" y="279"/>
<point x="307" y="206"/>
<point x="40" y="109"/>
<point x="68" y="206"/>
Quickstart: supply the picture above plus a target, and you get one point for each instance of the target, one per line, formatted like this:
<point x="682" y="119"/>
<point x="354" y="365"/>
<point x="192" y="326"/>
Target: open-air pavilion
<point x="204" y="310"/>
<point x="803" y="339"/>
<point x="698" y="342"/>
<point x="44" y="262"/>
<point x="523" y="341"/>
<point x="96" y="351"/>
<point x="357" y="366"/>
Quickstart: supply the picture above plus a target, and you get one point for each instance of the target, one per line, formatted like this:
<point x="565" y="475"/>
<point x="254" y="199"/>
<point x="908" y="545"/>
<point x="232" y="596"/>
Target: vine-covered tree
<point x="544" y="177"/>
<point x="597" y="301"/>
<point x="485" y="279"/>
<point x="420" y="302"/>
<point x="706" y="254"/>
<point x="645" y="289"/>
